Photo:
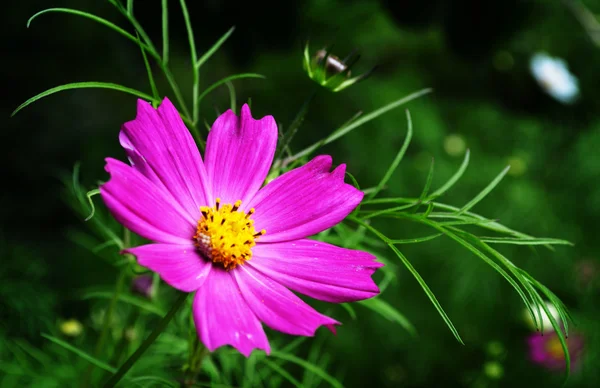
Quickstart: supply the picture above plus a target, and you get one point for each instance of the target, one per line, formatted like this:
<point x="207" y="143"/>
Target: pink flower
<point x="241" y="248"/>
<point x="546" y="350"/>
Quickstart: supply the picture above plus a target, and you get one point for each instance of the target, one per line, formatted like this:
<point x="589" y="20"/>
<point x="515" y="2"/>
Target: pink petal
<point x="317" y="269"/>
<point x="136" y="160"/>
<point x="143" y="207"/>
<point x="239" y="153"/>
<point x="223" y="317"/>
<point x="304" y="201"/>
<point x="180" y="266"/>
<point x="161" y="147"/>
<point x="277" y="306"/>
<point x="537" y="348"/>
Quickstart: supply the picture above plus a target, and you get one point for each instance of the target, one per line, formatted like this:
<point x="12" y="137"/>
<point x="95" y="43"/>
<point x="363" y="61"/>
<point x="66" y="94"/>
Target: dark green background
<point x="451" y="46"/>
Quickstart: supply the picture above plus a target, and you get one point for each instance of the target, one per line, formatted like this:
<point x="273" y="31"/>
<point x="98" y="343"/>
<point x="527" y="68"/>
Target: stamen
<point x="226" y="235"/>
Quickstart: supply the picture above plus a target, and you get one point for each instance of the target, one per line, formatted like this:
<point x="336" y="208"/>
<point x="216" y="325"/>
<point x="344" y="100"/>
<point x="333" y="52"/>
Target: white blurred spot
<point x="554" y="77"/>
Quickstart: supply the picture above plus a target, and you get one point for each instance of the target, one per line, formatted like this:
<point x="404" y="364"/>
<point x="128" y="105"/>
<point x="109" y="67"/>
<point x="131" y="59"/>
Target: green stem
<point x="194" y="58"/>
<point x="106" y="323"/>
<point x="147" y="342"/>
<point x="109" y="313"/>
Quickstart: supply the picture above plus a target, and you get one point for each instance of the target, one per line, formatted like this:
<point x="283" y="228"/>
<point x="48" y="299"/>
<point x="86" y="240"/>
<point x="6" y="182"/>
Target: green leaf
<point x="525" y="241"/>
<point x="446" y="186"/>
<point x="387" y="311"/>
<point x="484" y="192"/>
<point x="428" y="292"/>
<point x="399" y="156"/>
<point x="416" y="275"/>
<point x="83" y="85"/>
<point x="307" y="365"/>
<point x="232" y="98"/>
<point x="416" y="240"/>
<point x="493" y="264"/>
<point x="427" y="182"/>
<point x="289" y="134"/>
<point x="80" y="353"/>
<point x="95" y="18"/>
<point x="345" y="129"/>
<point x="348" y="307"/>
<point x="137" y="302"/>
<point x="155" y="93"/>
<point x="227" y="79"/>
<point x="389" y="210"/>
<point x="89" y="196"/>
<point x="157" y="381"/>
<point x="165" y="31"/>
<point x="214" y="48"/>
<point x="282" y="372"/>
<point x="193" y="55"/>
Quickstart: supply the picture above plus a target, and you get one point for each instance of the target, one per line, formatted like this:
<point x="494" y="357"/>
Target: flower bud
<point x="330" y="71"/>
<point x="143" y="285"/>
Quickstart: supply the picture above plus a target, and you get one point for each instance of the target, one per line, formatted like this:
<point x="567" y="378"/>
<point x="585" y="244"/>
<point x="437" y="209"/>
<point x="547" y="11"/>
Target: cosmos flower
<point x="241" y="248"/>
<point x="554" y="77"/>
<point x="546" y="350"/>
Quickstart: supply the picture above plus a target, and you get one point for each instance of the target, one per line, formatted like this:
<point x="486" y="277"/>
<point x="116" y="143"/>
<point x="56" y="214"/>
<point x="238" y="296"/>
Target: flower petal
<point x="136" y="160"/>
<point x="223" y="317"/>
<point x="304" y="201"/>
<point x="180" y="266"/>
<point x="317" y="269"/>
<point x="166" y="147"/>
<point x="143" y="207"/>
<point x="277" y="306"/>
<point x="239" y="153"/>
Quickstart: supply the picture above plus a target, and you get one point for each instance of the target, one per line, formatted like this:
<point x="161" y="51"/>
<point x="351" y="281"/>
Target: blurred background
<point x="475" y="55"/>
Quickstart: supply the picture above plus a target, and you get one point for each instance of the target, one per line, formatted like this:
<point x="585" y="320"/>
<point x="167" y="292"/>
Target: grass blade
<point x="525" y="241"/>
<point x="307" y="365"/>
<point x="232" y="98"/>
<point x="428" y="292"/>
<point x="89" y="196"/>
<point x="282" y="372"/>
<point x="416" y="275"/>
<point x="193" y="55"/>
<point x="390" y="171"/>
<point x="150" y="307"/>
<point x="227" y="79"/>
<point x="427" y="182"/>
<point x="389" y="312"/>
<point x="95" y="18"/>
<point x="416" y="240"/>
<point x="360" y="121"/>
<point x="205" y="57"/>
<point x="83" y="85"/>
<point x="80" y="353"/>
<point x="155" y="93"/>
<point x="485" y="191"/>
<point x="165" y="32"/>
<point x="453" y="179"/>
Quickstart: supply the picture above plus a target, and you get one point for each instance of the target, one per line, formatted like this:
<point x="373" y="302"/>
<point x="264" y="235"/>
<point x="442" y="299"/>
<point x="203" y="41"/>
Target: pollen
<point x="226" y="235"/>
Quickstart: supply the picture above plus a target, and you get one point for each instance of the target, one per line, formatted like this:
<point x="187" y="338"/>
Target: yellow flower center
<point x="226" y="235"/>
<point x="554" y="348"/>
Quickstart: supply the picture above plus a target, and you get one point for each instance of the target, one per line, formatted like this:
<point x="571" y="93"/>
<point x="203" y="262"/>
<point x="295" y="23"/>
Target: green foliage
<point x="176" y="352"/>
